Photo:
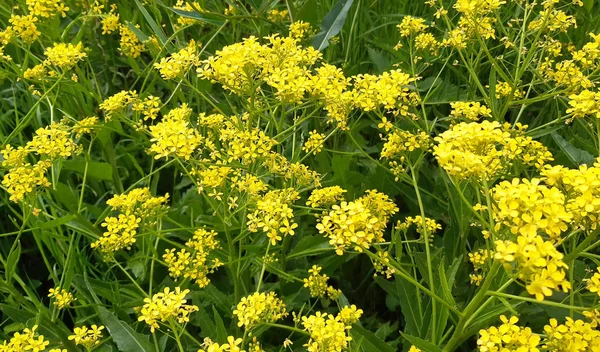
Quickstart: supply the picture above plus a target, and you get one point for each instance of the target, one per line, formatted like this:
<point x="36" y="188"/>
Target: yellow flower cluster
<point x="479" y="260"/>
<point x="149" y="107"/>
<point x="274" y="215"/>
<point x="139" y="202"/>
<point x="504" y="89"/>
<point x="62" y="298"/>
<point x="192" y="262"/>
<point x="244" y="145"/>
<point x="231" y="346"/>
<point x="64" y="55"/>
<point x="27" y="340"/>
<point x="129" y="44"/>
<point x="572" y="336"/>
<point x="431" y="226"/>
<point x="381" y="264"/>
<point x="53" y="141"/>
<point x="593" y="283"/>
<point x="411" y="26"/>
<point x="398" y="146"/>
<point x="350" y="314"/>
<point x="120" y="233"/>
<point x="470" y="110"/>
<point x="357" y="224"/>
<point x="173" y="136"/>
<point x="87" y="337"/>
<point x="317" y="284"/>
<point x="528" y="208"/>
<point x="189" y="7"/>
<point x="135" y="206"/>
<point x="178" y="63"/>
<point x="110" y="22"/>
<point x="565" y="74"/>
<point x="259" y="308"/>
<point x="286" y="67"/>
<point x="585" y="103"/>
<point x="485" y="150"/>
<point x="582" y="190"/>
<point x="325" y="197"/>
<point x="24" y="179"/>
<point x="508" y="337"/>
<point x="118" y="103"/>
<point x="329" y="332"/>
<point x="314" y="143"/>
<point x="50" y="143"/>
<point x="169" y="304"/>
<point x="300" y="30"/>
<point x="536" y="262"/>
<point x="277" y="16"/>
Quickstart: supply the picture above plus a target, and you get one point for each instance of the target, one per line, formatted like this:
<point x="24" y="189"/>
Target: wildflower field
<point x="300" y="175"/>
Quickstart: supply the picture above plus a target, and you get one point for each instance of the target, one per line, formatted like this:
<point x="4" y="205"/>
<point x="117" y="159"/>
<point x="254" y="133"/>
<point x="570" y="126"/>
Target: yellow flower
<point x="24" y="179"/>
<point x="173" y="136"/>
<point x="87" y="337"/>
<point x="24" y="27"/>
<point x="325" y="197"/>
<point x="470" y="110"/>
<point x="274" y="215"/>
<point x="508" y="337"/>
<point x="411" y="25"/>
<point x="62" y="298"/>
<point x="327" y="332"/>
<point x="53" y="141"/>
<point x="130" y="45"/>
<point x="572" y="336"/>
<point x="593" y="283"/>
<point x="164" y="306"/>
<point x="192" y="261"/>
<point x="64" y="55"/>
<point x="120" y="234"/>
<point x="178" y="63"/>
<point x="259" y="308"/>
<point x="27" y="340"/>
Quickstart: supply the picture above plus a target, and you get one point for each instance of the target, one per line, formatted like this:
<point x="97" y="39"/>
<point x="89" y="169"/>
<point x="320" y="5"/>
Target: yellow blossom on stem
<point x="165" y="305"/>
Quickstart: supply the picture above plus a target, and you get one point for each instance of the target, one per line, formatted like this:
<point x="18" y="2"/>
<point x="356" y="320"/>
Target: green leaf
<point x="205" y="17"/>
<point x="370" y="341"/>
<point x="221" y="330"/>
<point x="125" y="337"/>
<point x="11" y="262"/>
<point x="142" y="37"/>
<point x="155" y="27"/>
<point x="381" y="61"/>
<point x="57" y="222"/>
<point x="575" y="155"/>
<point x="307" y="13"/>
<point x="588" y="5"/>
<point x="99" y="170"/>
<point x="422" y="344"/>
<point x="332" y="24"/>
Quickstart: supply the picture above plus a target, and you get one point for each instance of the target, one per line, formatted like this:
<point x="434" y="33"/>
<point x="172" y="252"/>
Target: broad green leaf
<point x="370" y="341"/>
<point x="123" y="335"/>
<point x="422" y="344"/>
<point x="575" y="155"/>
<point x="100" y="170"/>
<point x="308" y="13"/>
<point x="588" y="5"/>
<point x="332" y="24"/>
<point x="309" y="245"/>
<point x="221" y="329"/>
<point x="205" y="17"/>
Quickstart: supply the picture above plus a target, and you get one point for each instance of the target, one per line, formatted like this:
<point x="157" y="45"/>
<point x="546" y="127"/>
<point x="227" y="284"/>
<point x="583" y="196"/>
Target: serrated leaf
<point x="381" y="61"/>
<point x="576" y="155"/>
<point x="332" y="24"/>
<point x="209" y="18"/>
<point x="123" y="335"/>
